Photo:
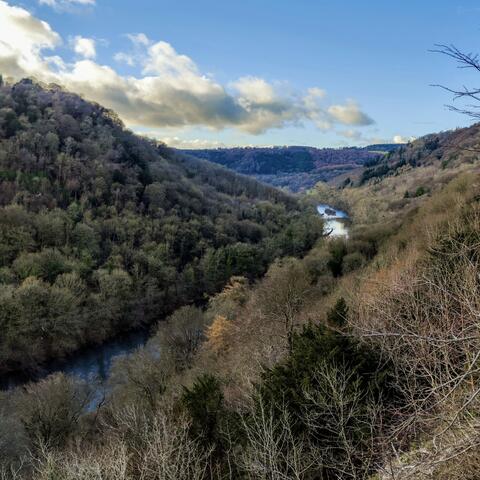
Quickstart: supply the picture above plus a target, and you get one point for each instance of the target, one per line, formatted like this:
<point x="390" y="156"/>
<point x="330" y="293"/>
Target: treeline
<point x="101" y="231"/>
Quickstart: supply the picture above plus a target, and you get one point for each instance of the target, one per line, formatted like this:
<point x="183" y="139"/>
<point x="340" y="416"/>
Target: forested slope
<point x="101" y="231"/>
<point x="401" y="180"/>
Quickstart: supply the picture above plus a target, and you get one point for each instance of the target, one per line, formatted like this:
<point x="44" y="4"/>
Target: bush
<point x="337" y="249"/>
<point x="420" y="191"/>
<point x="352" y="261"/>
<point x="338" y="314"/>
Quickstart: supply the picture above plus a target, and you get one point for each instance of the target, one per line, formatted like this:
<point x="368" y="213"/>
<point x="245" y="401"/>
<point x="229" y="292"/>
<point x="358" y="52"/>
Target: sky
<point x="213" y="73"/>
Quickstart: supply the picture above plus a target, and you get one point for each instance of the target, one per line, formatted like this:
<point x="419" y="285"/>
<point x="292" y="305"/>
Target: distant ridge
<point x="294" y="167"/>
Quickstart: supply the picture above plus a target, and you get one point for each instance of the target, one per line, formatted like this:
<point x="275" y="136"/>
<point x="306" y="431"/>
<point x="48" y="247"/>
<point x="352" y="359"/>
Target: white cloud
<point x="171" y="91"/>
<point x="66" y="4"/>
<point x="196" y="143"/>
<point x="313" y="96"/>
<point x="138" y="39"/>
<point x="122" y="57"/>
<point x="349" y="114"/>
<point x="356" y="137"/>
<point x="254" y="91"/>
<point x="22" y="39"/>
<point x="401" y="139"/>
<point x="351" y="134"/>
<point x="85" y="47"/>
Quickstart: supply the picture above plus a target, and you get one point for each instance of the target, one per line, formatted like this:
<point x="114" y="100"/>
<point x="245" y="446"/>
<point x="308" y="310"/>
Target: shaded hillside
<point x="296" y="168"/>
<point x="101" y="230"/>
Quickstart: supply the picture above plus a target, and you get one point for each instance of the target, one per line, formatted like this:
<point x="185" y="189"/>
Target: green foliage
<point x="313" y="347"/>
<point x="140" y="227"/>
<point x="204" y="405"/>
<point x="352" y="261"/>
<point x="338" y="315"/>
<point x="337" y="250"/>
<point x="329" y="388"/>
<point x="420" y="191"/>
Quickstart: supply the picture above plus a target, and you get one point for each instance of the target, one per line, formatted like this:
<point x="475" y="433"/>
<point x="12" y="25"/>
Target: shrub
<point x="352" y="261"/>
<point x="338" y="314"/>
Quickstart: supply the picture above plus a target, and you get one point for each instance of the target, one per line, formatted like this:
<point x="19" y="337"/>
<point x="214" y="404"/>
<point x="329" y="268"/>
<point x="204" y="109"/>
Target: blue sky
<point x="263" y="72"/>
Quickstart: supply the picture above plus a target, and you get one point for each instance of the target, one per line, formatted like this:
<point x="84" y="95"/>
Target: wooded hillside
<point x="101" y="230"/>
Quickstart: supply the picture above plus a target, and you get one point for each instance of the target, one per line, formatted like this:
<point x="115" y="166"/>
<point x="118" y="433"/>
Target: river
<point x="336" y="221"/>
<point x="93" y="364"/>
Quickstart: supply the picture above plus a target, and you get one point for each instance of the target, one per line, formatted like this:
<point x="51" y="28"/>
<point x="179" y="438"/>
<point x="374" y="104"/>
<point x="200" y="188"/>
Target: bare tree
<point x="426" y="318"/>
<point x="467" y="61"/>
<point x="283" y="293"/>
<point x="346" y="421"/>
<point x="273" y="451"/>
<point x="160" y="449"/>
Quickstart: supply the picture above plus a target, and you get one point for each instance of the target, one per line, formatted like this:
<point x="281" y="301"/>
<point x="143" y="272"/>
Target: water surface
<point x="336" y="221"/>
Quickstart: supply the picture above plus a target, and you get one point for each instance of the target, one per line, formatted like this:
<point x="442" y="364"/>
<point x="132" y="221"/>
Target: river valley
<point x="93" y="364"/>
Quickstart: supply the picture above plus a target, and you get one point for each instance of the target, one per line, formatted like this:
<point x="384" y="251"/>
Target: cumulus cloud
<point x="254" y="91"/>
<point x="170" y="90"/>
<point x="349" y="114"/>
<point x="22" y="40"/>
<point x="401" y="139"/>
<point x="85" y="47"/>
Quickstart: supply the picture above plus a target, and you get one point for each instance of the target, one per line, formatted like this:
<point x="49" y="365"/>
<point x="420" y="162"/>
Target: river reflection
<point x="336" y="221"/>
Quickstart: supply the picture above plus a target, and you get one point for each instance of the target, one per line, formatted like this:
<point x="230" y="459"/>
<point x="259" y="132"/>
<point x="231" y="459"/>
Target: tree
<point x="282" y="294"/>
<point x="50" y="409"/>
<point x="337" y="316"/>
<point x="182" y="334"/>
<point x="141" y="379"/>
<point x="219" y="334"/>
<point x="463" y="60"/>
<point x="330" y="388"/>
<point x="204" y="404"/>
